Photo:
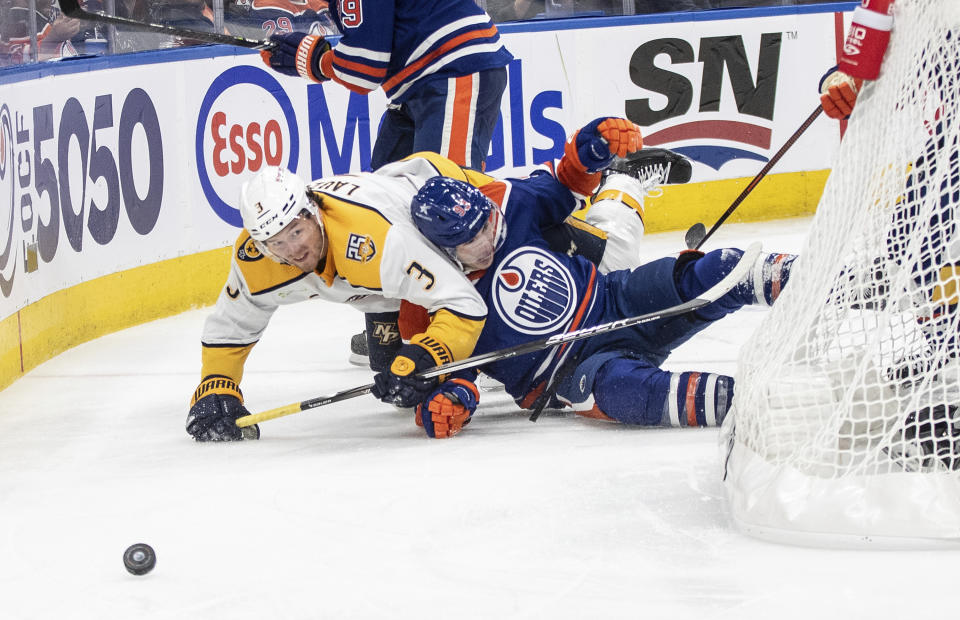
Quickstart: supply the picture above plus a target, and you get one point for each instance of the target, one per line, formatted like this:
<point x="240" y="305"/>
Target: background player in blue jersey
<point x="494" y="233"/>
<point x="440" y="63"/>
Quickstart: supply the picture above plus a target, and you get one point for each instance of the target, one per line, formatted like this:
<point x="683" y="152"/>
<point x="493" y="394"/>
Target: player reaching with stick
<point x="350" y="239"/>
<point x="493" y="232"/>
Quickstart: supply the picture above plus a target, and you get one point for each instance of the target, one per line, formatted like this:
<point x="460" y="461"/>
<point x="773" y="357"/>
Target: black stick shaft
<point x="763" y="172"/>
<point x="72" y="8"/>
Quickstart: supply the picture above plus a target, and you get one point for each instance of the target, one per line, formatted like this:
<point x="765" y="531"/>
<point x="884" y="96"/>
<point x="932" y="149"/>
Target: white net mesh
<point x="848" y="395"/>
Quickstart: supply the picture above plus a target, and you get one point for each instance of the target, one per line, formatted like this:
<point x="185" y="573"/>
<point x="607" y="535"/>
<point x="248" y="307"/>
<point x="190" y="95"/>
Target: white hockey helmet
<point x="271" y="200"/>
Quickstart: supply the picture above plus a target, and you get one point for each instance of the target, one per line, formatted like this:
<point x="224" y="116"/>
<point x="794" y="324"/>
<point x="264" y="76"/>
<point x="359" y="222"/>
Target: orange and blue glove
<point x="595" y="145"/>
<point x="448" y="408"/>
<point x="592" y="148"/>
<point x="297" y="53"/>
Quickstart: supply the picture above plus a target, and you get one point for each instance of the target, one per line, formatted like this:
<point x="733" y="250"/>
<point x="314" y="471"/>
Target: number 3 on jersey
<point x="351" y="13"/>
<point x="421" y="274"/>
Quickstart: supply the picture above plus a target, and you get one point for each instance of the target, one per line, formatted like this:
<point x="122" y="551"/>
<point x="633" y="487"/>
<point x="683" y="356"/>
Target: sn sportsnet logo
<point x="533" y="292"/>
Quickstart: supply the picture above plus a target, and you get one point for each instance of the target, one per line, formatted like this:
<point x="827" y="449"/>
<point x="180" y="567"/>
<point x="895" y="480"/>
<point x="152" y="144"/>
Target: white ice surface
<point x="349" y="511"/>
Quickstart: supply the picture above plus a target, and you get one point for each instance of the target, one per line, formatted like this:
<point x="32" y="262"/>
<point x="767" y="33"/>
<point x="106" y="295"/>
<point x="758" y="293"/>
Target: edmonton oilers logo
<point x="533" y="292"/>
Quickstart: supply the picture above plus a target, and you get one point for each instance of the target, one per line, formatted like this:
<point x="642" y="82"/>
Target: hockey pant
<point x="619" y="376"/>
<point x="452" y="116"/>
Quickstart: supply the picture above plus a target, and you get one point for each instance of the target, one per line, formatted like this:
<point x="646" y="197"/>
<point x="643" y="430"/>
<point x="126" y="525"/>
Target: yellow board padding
<point x="104" y="305"/>
<point x="776" y="196"/>
<point x="9" y="350"/>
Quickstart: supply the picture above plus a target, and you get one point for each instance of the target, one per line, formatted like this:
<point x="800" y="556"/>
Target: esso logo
<point x="240" y="147"/>
<point x="245" y="123"/>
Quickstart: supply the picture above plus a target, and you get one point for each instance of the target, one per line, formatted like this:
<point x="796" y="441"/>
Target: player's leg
<point x="671" y="281"/>
<point x="618" y="206"/>
<point x="629" y="389"/>
<point x="695" y="274"/>
<point x="395" y="136"/>
<point x="456" y="116"/>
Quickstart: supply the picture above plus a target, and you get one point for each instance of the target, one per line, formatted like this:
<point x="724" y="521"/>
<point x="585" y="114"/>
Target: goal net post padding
<point x="845" y="426"/>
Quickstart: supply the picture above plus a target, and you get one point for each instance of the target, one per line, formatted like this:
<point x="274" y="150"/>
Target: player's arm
<point x="413" y="270"/>
<point x="360" y="60"/>
<point x="592" y="148"/>
<point x="863" y="51"/>
<point x="229" y="334"/>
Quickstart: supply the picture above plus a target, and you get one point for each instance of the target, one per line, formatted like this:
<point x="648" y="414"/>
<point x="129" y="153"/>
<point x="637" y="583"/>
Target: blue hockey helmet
<point x="450" y="212"/>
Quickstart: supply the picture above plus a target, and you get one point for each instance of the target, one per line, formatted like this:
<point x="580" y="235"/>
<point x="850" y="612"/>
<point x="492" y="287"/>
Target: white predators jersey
<point x="376" y="257"/>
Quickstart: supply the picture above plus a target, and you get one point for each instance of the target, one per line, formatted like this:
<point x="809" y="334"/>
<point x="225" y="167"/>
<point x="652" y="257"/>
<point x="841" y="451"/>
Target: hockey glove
<point x="592" y="148"/>
<point x="838" y="93"/>
<point x="297" y="53"/>
<point x="448" y="408"/>
<point x="215" y="407"/>
<point x="399" y="385"/>
<point x="595" y="145"/>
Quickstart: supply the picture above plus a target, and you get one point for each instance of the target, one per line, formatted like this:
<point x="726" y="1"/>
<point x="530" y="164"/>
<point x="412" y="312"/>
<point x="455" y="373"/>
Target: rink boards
<point x="118" y="175"/>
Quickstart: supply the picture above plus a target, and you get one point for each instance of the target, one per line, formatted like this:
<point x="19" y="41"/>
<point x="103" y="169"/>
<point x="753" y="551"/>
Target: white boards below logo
<point x="533" y="292"/>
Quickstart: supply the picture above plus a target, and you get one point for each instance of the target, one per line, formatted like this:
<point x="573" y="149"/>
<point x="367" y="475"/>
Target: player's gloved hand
<point x="216" y="405"/>
<point x="399" y="385"/>
<point x="297" y="53"/>
<point x="448" y="408"/>
<point x="594" y="146"/>
<point x="838" y="93"/>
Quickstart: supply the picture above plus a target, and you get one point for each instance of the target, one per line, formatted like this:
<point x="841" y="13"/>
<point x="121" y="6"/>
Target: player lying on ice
<point x="494" y="233"/>
<point x="349" y="238"/>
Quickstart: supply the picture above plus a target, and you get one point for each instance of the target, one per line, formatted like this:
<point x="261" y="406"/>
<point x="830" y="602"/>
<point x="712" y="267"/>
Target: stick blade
<point x="695" y="235"/>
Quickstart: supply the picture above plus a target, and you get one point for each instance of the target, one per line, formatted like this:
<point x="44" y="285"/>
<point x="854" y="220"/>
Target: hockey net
<point x="846" y="424"/>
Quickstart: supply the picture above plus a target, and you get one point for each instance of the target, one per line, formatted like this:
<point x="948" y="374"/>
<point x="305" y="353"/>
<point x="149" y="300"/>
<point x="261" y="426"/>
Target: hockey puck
<point x="139" y="559"/>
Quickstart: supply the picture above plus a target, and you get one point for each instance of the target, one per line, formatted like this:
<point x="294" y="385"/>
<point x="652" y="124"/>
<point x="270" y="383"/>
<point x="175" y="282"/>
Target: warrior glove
<point x="215" y="407"/>
<point x="400" y="385"/>
<point x="297" y="53"/>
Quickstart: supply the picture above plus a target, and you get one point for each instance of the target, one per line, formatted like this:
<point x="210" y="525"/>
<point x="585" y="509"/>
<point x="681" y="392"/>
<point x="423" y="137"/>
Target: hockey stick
<point x="709" y="296"/>
<point x="697" y="234"/>
<point x="72" y="8"/>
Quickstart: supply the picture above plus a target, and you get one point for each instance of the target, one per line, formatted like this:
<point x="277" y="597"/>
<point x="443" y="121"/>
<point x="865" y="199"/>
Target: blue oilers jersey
<point x="397" y="45"/>
<point x="532" y="292"/>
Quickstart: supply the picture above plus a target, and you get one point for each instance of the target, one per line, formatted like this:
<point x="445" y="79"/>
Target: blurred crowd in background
<point x="36" y="30"/>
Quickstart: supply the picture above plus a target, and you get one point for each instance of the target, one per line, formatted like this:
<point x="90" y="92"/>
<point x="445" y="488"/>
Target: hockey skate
<point x="929" y="440"/>
<point x="669" y="167"/>
<point x="359" y="354"/>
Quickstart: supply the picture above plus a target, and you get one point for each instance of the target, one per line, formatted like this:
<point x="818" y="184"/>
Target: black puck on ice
<point x="139" y="559"/>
